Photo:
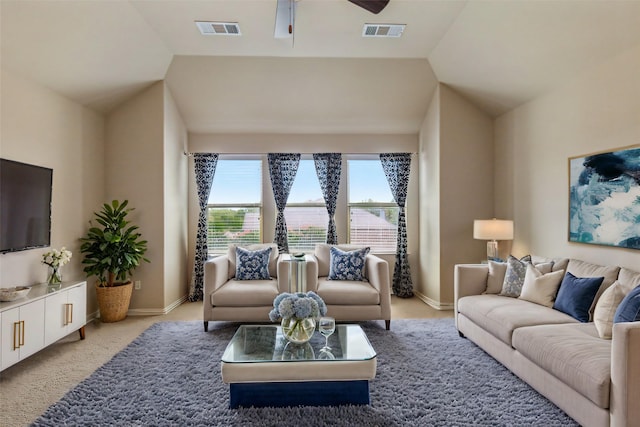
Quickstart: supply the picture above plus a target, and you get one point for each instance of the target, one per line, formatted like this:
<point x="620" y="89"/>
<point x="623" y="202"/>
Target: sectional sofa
<point x="596" y="381"/>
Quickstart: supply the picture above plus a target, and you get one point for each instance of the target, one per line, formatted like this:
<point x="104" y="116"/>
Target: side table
<point x="297" y="273"/>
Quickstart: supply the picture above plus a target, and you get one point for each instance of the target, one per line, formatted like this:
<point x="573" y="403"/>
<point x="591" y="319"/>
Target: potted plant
<point x="111" y="253"/>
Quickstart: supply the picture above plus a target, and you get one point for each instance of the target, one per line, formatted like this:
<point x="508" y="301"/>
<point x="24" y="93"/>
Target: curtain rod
<point x="190" y="154"/>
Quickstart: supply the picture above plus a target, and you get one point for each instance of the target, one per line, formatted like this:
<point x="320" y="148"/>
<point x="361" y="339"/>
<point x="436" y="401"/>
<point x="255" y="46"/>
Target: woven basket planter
<point x="113" y="302"/>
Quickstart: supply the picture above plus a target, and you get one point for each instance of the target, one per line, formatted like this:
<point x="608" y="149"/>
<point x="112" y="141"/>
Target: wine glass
<point x="327" y="327"/>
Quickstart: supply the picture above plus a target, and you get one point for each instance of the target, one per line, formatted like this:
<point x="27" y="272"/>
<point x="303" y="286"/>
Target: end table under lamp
<point x="492" y="230"/>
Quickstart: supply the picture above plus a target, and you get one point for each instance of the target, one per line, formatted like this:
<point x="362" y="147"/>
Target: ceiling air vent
<point x="218" y="28"/>
<point x="382" y="30"/>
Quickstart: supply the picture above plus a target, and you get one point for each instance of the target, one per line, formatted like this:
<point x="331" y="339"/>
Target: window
<point x="373" y="213"/>
<point x="235" y="204"/>
<point x="306" y="213"/>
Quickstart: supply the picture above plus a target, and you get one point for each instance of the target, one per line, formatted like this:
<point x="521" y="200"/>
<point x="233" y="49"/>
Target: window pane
<point x="237" y="182"/>
<point x="376" y="227"/>
<point x="237" y="185"/>
<point x="373" y="213"/>
<point x="367" y="182"/>
<point x="228" y="225"/>
<point x="306" y="226"/>
<point x="306" y="187"/>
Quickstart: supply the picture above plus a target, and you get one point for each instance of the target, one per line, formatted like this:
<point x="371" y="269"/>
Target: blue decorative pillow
<point x="347" y="265"/>
<point x="514" y="276"/>
<point x="576" y="295"/>
<point x="629" y="308"/>
<point x="252" y="265"/>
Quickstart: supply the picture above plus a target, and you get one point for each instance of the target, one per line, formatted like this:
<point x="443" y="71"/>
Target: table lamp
<point x="492" y="230"/>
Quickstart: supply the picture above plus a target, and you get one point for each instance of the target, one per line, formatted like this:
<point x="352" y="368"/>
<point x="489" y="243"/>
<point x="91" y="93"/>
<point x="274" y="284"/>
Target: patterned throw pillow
<point x="252" y="265"/>
<point x="514" y="277"/>
<point x="347" y="265"/>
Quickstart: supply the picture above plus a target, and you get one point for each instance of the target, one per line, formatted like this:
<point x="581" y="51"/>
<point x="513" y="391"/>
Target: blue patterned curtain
<point x="205" y="168"/>
<point x="397" y="167"/>
<point x="282" y="171"/>
<point x="328" y="168"/>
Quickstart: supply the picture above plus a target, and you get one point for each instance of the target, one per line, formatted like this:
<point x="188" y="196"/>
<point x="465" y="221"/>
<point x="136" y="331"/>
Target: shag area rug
<point x="427" y="376"/>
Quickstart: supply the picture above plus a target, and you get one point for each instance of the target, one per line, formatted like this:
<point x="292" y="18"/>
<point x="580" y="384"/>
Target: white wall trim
<point x="433" y="303"/>
<point x="93" y="316"/>
<point x="156" y="311"/>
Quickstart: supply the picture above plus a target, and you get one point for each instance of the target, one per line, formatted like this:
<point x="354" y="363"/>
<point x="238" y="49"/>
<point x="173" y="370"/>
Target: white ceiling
<point x="498" y="54"/>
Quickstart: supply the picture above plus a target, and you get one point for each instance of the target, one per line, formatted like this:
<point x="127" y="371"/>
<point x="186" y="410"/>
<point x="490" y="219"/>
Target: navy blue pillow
<point x="576" y="295"/>
<point x="629" y="308"/>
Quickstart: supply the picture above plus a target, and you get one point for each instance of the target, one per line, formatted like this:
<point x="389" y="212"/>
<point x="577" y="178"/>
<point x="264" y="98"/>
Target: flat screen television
<point x="25" y="206"/>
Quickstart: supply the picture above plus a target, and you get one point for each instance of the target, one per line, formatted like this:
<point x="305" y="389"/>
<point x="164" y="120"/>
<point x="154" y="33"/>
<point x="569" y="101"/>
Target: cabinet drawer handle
<point x="16" y="335"/>
<point x="68" y="314"/>
<point x="22" y="334"/>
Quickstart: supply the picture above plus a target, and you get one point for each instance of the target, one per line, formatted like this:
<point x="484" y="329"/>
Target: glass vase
<point x="55" y="276"/>
<point x="298" y="331"/>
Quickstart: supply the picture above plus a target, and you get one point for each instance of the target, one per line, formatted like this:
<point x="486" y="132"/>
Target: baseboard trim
<point x="156" y="311"/>
<point x="93" y="316"/>
<point x="433" y="303"/>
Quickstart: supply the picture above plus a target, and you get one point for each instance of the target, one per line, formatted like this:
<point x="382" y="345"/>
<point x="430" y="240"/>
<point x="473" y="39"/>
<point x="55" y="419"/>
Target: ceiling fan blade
<point x="373" y="6"/>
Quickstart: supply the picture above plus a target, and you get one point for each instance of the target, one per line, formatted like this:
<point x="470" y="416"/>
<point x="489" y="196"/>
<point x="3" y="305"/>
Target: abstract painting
<point x="604" y="198"/>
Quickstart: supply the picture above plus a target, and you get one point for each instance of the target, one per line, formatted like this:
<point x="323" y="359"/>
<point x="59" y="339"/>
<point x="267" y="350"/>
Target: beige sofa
<point x="595" y="381"/>
<point x="228" y="299"/>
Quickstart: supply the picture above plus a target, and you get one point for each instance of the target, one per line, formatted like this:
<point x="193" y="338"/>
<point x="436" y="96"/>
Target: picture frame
<point x="604" y="198"/>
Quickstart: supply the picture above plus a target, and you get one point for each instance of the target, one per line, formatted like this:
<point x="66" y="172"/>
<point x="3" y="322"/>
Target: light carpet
<point x="427" y="376"/>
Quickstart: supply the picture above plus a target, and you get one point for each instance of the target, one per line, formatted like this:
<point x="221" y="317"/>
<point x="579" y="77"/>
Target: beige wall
<point x="456" y="187"/>
<point x="145" y="164"/>
<point x="134" y="171"/>
<point x="428" y="287"/>
<point x="598" y="110"/>
<point x="308" y="144"/>
<point x="175" y="203"/>
<point x="41" y="127"/>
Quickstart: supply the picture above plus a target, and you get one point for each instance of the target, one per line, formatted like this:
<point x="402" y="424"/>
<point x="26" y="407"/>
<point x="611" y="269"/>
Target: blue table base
<point x="307" y="393"/>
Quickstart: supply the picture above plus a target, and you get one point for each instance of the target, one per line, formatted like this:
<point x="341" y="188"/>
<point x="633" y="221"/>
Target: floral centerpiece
<point x="56" y="259"/>
<point x="297" y="313"/>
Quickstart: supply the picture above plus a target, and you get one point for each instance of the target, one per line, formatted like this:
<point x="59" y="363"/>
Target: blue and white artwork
<point x="604" y="198"/>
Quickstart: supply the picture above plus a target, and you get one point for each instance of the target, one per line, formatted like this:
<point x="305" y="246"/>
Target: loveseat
<point x="229" y="299"/>
<point x="594" y="380"/>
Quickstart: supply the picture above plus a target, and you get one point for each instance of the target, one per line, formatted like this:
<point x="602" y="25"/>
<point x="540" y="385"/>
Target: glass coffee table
<point x="263" y="369"/>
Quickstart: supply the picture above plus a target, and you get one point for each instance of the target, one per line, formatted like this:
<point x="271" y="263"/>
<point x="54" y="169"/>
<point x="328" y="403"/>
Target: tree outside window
<point x="235" y="204"/>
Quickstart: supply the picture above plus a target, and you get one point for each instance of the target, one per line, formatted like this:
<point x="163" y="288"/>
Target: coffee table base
<point x="304" y="393"/>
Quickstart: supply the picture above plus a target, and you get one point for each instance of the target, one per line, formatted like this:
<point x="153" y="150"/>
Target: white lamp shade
<point x="492" y="229"/>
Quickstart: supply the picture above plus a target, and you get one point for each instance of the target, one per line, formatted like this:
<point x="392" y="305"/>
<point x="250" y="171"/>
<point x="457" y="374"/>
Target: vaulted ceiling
<point x="327" y="78"/>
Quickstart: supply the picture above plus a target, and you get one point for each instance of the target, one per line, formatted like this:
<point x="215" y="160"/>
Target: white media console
<point x="45" y="315"/>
